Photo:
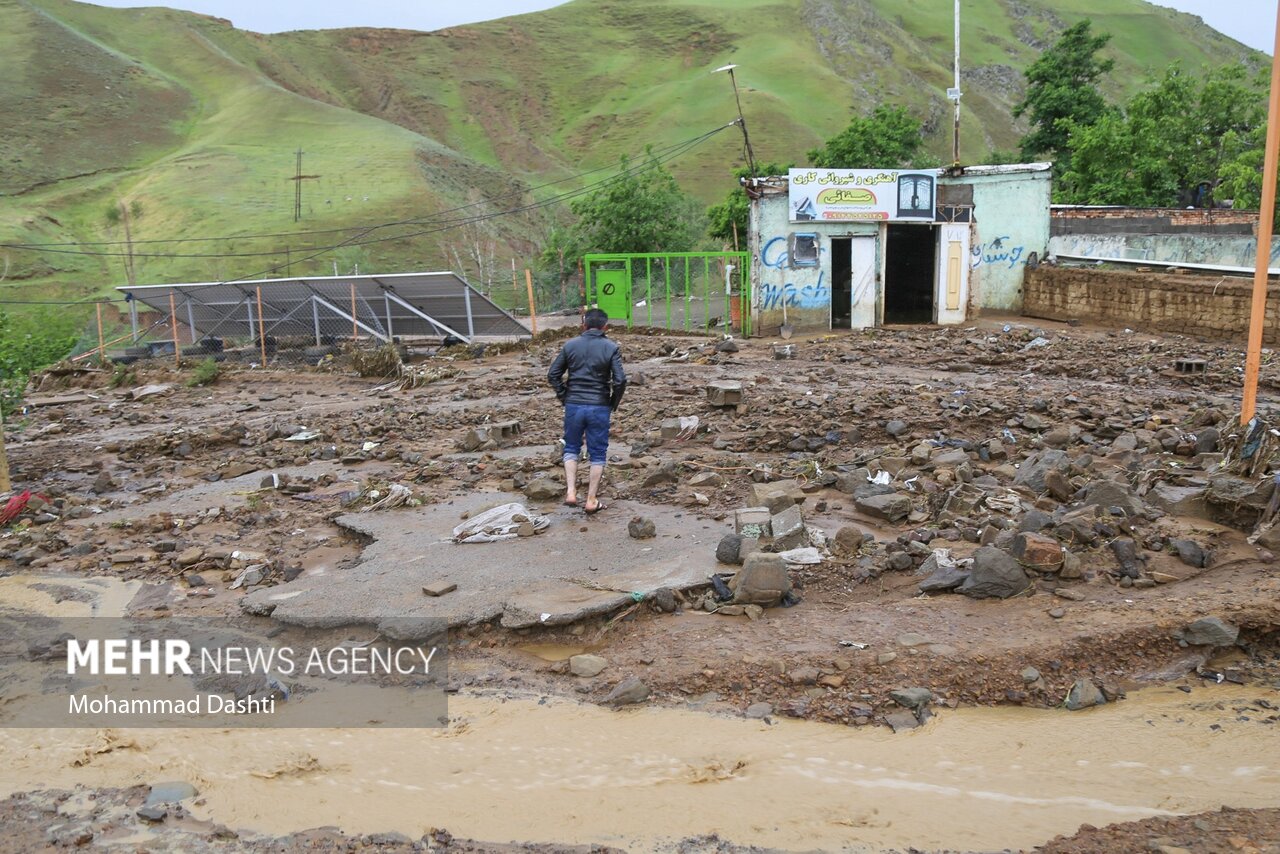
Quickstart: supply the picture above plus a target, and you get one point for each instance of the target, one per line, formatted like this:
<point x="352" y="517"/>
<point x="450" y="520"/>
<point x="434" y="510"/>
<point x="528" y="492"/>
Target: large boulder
<point x="1178" y="500"/>
<point x="1032" y="472"/>
<point x="763" y="580"/>
<point x="994" y="575"/>
<point x="1038" y="552"/>
<point x="1108" y="494"/>
<point x="892" y="507"/>
<point x="1210" y="631"/>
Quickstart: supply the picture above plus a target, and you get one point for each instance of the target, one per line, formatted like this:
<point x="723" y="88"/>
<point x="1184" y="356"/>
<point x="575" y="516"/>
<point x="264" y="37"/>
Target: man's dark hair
<point x="595" y="319"/>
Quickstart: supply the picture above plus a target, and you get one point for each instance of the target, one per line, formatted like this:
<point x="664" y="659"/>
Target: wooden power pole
<point x="1266" y="225"/>
<point x="297" y="180"/>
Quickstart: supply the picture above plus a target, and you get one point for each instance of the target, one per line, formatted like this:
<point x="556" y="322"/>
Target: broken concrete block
<point x="763" y="580"/>
<point x="788" y="529"/>
<point x="777" y="495"/>
<point x="724" y="393"/>
<point x="671" y="428"/>
<point x="439" y="588"/>
<point x="753" y="522"/>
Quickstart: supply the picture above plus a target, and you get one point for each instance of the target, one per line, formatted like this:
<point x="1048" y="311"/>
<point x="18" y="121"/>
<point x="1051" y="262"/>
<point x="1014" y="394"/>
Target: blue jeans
<point x="593" y="421"/>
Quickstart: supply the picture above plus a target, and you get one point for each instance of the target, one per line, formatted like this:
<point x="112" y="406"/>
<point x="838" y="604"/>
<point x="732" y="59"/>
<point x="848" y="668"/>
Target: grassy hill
<point x="193" y="124"/>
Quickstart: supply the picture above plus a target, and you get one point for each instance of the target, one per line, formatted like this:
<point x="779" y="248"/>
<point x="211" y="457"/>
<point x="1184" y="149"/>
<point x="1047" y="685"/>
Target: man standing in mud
<point x="592" y="392"/>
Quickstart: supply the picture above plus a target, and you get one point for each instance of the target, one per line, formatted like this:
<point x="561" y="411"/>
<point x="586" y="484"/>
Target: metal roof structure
<point x="396" y="305"/>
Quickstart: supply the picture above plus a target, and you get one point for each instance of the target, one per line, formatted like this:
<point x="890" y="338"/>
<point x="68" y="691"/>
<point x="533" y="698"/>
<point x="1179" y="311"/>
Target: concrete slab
<point x="233" y="492"/>
<point x="558" y="577"/>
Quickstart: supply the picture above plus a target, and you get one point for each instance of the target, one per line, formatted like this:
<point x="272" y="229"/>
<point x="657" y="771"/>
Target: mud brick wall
<point x="1153" y="302"/>
<point x="1090" y="220"/>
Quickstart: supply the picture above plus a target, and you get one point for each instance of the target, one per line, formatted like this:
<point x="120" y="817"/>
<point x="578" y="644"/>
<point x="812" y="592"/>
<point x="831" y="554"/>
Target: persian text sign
<point x="862" y="194"/>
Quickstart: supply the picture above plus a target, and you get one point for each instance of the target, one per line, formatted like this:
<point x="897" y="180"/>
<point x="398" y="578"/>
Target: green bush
<point x="205" y="373"/>
<point x="28" y="342"/>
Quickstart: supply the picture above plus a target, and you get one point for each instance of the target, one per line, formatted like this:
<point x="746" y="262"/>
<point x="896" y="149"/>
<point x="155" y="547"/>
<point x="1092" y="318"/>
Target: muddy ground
<point x="168" y="485"/>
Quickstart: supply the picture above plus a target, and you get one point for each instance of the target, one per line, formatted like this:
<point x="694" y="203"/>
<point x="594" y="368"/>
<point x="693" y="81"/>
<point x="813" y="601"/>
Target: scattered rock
<point x="1210" y="631"/>
<point x="893" y="507"/>
<point x="1083" y="695"/>
<point x="641" y="528"/>
<point x="759" y="711"/>
<point x="763" y="580"/>
<point x="439" y="588"/>
<point x="628" y="692"/>
<point x="995" y="575"/>
<point x="912" y="698"/>
<point x="586" y="665"/>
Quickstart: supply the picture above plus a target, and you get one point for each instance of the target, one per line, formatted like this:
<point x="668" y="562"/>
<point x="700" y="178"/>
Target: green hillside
<point x="193" y="124"/>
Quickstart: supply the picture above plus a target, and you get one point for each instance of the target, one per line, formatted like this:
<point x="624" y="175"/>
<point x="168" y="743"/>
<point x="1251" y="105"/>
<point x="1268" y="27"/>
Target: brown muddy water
<point x="539" y="769"/>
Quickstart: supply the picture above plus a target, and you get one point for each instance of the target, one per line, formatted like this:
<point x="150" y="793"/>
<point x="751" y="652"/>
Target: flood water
<point x="538" y="769"/>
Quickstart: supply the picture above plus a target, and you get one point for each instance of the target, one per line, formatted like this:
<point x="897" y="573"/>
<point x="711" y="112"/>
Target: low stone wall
<point x="1206" y="306"/>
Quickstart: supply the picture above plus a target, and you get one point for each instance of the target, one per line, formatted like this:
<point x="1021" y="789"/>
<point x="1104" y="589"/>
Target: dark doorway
<point x="910" y="263"/>
<point x="841" y="282"/>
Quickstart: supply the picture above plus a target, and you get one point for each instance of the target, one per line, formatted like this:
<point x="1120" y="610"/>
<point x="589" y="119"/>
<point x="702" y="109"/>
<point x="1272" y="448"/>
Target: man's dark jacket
<point x="594" y="364"/>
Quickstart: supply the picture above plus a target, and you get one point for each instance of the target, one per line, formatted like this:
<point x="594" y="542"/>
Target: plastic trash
<point x="881" y="478"/>
<point x="499" y="523"/>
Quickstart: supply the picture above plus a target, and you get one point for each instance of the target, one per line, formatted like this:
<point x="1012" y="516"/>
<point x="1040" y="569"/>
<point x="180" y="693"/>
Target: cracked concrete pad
<point x="554" y="578"/>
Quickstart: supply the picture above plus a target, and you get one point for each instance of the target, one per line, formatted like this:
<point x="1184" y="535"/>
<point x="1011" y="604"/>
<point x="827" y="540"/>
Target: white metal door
<point x="953" y="273"/>
<point x="862" y="262"/>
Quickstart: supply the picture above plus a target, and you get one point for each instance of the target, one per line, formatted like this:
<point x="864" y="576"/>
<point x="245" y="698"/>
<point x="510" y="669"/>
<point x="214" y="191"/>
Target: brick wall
<point x="1103" y="220"/>
<point x="1154" y="302"/>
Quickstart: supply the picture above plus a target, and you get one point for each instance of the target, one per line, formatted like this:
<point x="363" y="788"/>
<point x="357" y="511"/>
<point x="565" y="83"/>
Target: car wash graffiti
<point x="817" y="295"/>
<point x="998" y="254"/>
<point x="776" y="256"/>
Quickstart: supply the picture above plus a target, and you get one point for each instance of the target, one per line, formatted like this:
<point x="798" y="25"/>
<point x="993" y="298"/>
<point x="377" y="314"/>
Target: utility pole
<point x="1266" y="225"/>
<point x="953" y="94"/>
<point x="742" y="122"/>
<point x="297" y="180"/>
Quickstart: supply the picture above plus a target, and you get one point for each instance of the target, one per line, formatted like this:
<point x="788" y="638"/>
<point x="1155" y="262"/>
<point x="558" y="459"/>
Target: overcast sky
<point x="1249" y="21"/>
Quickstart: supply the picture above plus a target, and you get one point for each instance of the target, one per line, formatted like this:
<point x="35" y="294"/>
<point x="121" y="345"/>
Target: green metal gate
<point x="674" y="290"/>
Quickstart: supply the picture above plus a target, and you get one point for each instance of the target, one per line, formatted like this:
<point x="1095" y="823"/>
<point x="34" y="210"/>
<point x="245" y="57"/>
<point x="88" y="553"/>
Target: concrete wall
<point x="1191" y="305"/>
<point x="1224" y="249"/>
<point x="1012" y="229"/>
<point x="806" y="290"/>
<point x="1158" y="235"/>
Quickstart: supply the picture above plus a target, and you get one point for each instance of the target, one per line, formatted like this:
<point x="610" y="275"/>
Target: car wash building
<point x="852" y="248"/>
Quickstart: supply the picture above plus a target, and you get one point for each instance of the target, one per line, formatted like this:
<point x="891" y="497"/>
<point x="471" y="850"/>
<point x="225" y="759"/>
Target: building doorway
<point x="841" y="282"/>
<point x="910" y="265"/>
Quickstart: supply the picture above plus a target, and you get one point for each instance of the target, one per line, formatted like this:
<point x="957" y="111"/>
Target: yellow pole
<point x="262" y="335"/>
<point x="102" y="347"/>
<point x="173" y="324"/>
<point x="1266" y="225"/>
<point x="5" y="486"/>
<point x="533" y="314"/>
<point x="355" y="330"/>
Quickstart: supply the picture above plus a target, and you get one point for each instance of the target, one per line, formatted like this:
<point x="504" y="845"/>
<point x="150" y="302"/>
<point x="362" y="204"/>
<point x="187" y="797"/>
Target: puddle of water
<point x="526" y="769"/>
<point x="553" y="651"/>
<point x="67" y="596"/>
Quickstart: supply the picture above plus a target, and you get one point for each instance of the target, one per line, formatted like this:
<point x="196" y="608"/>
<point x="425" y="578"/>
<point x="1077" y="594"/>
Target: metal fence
<point x="676" y="290"/>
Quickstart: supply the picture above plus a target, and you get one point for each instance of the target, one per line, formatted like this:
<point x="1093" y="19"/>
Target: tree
<point x="889" y="137"/>
<point x="733" y="211"/>
<point x="1171" y="145"/>
<point x="642" y="209"/>
<point x="1062" y="92"/>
